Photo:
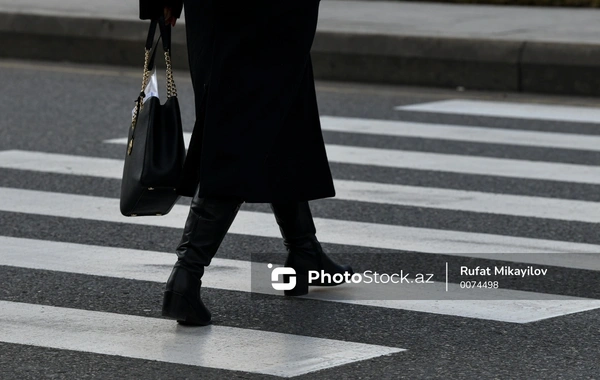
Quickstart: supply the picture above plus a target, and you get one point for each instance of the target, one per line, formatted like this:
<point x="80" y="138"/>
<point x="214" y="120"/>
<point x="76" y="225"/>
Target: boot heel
<point x="175" y="306"/>
<point x="300" y="289"/>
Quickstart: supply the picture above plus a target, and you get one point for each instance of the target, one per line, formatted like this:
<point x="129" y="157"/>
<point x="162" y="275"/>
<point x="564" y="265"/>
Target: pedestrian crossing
<point x="332" y="231"/>
<point x="136" y="337"/>
<point x="235" y="275"/>
<point x="448" y="132"/>
<point x="370" y="192"/>
<point x="454" y="163"/>
<point x="550" y="112"/>
<point x="471" y="134"/>
<point x="288" y="354"/>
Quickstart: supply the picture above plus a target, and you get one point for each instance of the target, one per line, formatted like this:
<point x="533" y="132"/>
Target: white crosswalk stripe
<point x="510" y="110"/>
<point x="454" y="163"/>
<point x="330" y="231"/>
<point x="371" y="192"/>
<point x="501" y="305"/>
<point x="264" y="352"/>
<point x="158" y="339"/>
<point x="450" y="132"/>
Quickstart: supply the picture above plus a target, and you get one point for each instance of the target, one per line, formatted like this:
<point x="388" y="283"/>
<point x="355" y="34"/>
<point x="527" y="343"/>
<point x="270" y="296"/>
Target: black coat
<point x="257" y="134"/>
<point x="153" y="9"/>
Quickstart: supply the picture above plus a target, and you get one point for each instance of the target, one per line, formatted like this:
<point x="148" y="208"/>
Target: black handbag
<point x="155" y="150"/>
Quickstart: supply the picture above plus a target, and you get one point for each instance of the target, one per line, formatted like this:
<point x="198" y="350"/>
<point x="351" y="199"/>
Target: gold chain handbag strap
<point x="149" y="55"/>
<point x="140" y="100"/>
<point x="146" y="76"/>
<point x="148" y="61"/>
<point x="165" y="32"/>
<point x="171" y="88"/>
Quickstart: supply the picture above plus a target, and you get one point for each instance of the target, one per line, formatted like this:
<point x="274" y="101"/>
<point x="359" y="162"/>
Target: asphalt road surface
<point x="432" y="182"/>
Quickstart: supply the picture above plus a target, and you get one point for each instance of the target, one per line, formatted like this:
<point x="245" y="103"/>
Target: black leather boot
<point x="205" y="228"/>
<point x="304" y="250"/>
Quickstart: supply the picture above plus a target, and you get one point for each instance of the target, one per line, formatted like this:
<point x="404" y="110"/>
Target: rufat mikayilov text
<point x="504" y="270"/>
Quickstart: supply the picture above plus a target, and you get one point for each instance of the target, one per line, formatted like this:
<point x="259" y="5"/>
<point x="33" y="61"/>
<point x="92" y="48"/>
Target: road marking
<point x="163" y="340"/>
<point x="333" y="231"/>
<point x="472" y="201"/>
<point x="234" y="275"/>
<point x="454" y="163"/>
<point x="371" y="192"/>
<point x="61" y="164"/>
<point x="448" y="132"/>
<point x="510" y="110"/>
<point x="461" y="133"/>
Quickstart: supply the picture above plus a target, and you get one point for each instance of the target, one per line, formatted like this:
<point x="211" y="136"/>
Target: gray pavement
<point x="74" y="121"/>
<point x="529" y="49"/>
<point x="398" y="18"/>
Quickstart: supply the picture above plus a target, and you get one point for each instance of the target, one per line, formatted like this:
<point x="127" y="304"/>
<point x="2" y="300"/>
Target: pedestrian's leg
<point x="304" y="250"/>
<point x="206" y="226"/>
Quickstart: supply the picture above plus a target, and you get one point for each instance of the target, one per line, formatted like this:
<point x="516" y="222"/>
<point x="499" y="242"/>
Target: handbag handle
<point x="150" y="54"/>
<point x="149" y="57"/>
<point x="165" y="32"/>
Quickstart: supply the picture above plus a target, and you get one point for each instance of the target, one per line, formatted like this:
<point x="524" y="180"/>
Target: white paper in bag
<point x="150" y="90"/>
<point x="152" y="87"/>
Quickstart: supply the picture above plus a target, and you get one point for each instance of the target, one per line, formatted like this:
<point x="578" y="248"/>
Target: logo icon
<point x="288" y="274"/>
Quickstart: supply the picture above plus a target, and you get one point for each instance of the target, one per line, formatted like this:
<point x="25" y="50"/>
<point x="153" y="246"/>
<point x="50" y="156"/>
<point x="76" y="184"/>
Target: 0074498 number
<point x="479" y="284"/>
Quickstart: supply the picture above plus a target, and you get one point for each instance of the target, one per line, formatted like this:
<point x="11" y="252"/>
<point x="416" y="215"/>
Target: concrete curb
<point x="500" y="65"/>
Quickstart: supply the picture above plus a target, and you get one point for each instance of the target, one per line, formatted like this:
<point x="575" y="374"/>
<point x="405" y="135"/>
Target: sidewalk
<point x="503" y="48"/>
